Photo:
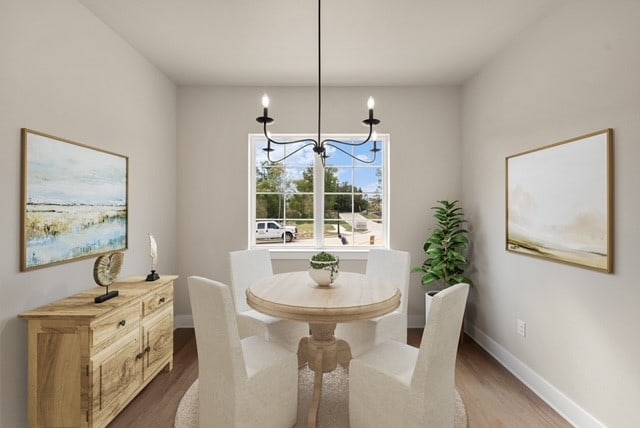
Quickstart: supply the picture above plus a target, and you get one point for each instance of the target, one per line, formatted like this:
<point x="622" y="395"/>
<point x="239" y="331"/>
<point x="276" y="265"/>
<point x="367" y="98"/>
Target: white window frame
<point x="280" y="251"/>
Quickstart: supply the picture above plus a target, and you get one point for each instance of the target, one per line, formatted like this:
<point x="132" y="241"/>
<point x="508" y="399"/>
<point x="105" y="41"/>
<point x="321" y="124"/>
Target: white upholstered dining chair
<point x="242" y="382"/>
<point x="248" y="266"/>
<point x="397" y="385"/>
<point x="392" y="266"/>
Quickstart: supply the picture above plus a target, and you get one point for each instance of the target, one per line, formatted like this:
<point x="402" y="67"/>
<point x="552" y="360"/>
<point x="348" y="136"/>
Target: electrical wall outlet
<point x="522" y="328"/>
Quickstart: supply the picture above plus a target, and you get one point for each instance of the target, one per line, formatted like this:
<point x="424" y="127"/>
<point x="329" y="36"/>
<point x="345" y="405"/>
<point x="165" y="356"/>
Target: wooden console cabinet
<point x="88" y="360"/>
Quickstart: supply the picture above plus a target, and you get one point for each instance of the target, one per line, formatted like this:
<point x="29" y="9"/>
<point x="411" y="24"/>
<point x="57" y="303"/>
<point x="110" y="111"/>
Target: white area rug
<point x="334" y="406"/>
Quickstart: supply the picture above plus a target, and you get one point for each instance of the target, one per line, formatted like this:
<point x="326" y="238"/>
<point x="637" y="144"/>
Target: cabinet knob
<point x="122" y="323"/>
<point x="147" y="349"/>
<point x="162" y="300"/>
<point x="140" y="355"/>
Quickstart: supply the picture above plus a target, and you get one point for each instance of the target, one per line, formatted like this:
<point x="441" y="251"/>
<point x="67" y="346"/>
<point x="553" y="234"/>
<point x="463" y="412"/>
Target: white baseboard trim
<point x="567" y="408"/>
<point x="183" y="321"/>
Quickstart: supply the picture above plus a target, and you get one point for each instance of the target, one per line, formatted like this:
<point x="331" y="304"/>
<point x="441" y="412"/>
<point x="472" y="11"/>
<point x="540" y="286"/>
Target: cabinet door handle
<point x="147" y="349"/>
<point x="140" y="355"/>
<point x="122" y="323"/>
<point x="162" y="300"/>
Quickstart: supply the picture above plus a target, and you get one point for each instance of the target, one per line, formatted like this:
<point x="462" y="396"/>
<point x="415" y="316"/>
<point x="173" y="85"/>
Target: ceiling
<point x="364" y="42"/>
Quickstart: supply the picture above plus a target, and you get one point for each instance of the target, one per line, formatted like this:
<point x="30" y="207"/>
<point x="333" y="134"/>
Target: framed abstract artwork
<point x="74" y="201"/>
<point x="559" y="201"/>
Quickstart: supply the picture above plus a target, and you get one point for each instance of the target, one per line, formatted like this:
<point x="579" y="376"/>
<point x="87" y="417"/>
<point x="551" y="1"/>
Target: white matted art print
<point x="559" y="201"/>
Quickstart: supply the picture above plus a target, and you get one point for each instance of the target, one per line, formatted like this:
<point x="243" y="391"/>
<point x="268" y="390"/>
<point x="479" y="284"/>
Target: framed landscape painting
<point x="559" y="201"/>
<point x="74" y="201"/>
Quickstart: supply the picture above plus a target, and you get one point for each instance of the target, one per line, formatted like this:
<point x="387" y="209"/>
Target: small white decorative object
<point x="324" y="268"/>
<point x="153" y="253"/>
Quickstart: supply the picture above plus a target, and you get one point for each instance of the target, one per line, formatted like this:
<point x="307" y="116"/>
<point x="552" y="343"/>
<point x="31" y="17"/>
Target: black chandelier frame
<point x="319" y="145"/>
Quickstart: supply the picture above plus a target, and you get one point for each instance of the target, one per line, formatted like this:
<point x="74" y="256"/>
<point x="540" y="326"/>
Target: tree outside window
<point x="340" y="205"/>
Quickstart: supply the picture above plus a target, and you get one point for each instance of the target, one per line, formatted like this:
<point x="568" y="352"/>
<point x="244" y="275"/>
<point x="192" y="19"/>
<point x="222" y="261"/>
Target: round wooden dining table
<point x="295" y="296"/>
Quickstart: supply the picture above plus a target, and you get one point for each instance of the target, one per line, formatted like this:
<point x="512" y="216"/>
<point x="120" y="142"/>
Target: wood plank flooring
<point x="493" y="397"/>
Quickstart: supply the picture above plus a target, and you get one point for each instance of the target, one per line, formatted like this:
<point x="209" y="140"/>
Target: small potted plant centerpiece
<point x="324" y="268"/>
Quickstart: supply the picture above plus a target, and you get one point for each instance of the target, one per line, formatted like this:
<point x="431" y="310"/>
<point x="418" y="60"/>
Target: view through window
<point x="298" y="203"/>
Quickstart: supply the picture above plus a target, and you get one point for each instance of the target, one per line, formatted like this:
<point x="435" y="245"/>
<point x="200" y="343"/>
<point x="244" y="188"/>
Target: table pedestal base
<point x="323" y="353"/>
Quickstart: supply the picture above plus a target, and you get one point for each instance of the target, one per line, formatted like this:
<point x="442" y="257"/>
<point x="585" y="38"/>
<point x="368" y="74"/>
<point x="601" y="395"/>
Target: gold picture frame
<point x="559" y="201"/>
<point x="74" y="201"/>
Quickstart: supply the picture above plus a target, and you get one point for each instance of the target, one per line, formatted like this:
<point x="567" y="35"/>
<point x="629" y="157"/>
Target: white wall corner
<point x="183" y="321"/>
<point x="567" y="408"/>
<point x="415" y="321"/>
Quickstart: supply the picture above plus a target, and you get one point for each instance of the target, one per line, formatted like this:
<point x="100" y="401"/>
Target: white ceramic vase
<point x="325" y="275"/>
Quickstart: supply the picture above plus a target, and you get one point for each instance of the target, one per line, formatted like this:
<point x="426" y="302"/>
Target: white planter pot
<point x="427" y="303"/>
<point x="326" y="275"/>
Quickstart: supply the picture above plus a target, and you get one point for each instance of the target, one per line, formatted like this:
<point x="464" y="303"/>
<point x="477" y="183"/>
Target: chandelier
<point x="320" y="146"/>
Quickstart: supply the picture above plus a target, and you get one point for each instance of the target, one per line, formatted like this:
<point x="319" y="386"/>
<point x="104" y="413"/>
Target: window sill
<point x="305" y="254"/>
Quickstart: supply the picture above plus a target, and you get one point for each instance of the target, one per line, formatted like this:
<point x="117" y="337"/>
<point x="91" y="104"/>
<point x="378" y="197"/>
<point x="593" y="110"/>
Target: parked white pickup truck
<point x="268" y="230"/>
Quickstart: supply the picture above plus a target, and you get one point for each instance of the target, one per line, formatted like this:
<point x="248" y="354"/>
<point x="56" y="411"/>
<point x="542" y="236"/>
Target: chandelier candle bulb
<point x="265" y="105"/>
<point x="371" y="104"/>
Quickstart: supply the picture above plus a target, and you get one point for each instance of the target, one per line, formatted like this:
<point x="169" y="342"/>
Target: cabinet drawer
<point x="157" y="300"/>
<point x="115" y="325"/>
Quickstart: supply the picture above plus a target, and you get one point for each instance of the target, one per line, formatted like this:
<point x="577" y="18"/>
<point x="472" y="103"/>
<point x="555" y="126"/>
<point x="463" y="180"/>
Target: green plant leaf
<point x="456" y="278"/>
<point x="429" y="279"/>
<point x="439" y="268"/>
<point x="436" y="238"/>
<point x="454" y="256"/>
<point x="461" y="239"/>
<point x="435" y="251"/>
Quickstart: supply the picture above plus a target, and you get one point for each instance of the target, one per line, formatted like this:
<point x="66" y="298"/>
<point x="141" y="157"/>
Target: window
<point x="297" y="204"/>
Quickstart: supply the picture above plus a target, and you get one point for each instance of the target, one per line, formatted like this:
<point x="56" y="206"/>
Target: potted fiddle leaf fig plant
<point x="445" y="261"/>
<point x="324" y="268"/>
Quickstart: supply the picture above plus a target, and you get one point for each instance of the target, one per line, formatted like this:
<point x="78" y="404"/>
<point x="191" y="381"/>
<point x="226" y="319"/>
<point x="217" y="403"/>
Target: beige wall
<point x="574" y="73"/>
<point x="213" y="123"/>
<point x="65" y="73"/>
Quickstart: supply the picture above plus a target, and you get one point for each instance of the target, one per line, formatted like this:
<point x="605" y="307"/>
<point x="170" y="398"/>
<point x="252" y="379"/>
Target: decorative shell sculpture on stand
<point x="106" y="270"/>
